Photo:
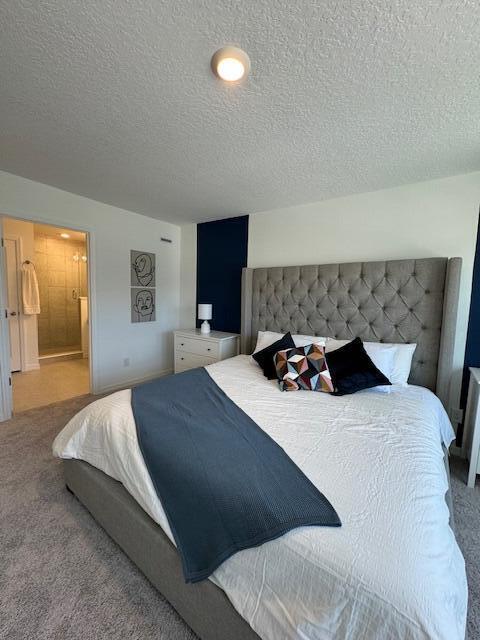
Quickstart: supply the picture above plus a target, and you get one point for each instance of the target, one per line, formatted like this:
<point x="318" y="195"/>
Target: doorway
<point x="13" y="262"/>
<point x="47" y="309"/>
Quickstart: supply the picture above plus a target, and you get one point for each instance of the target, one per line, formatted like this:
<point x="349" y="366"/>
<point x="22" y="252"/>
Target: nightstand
<point x="472" y="424"/>
<point x="195" y="349"/>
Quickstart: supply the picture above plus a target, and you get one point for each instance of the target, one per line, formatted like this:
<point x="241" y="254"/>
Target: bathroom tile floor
<point x="53" y="382"/>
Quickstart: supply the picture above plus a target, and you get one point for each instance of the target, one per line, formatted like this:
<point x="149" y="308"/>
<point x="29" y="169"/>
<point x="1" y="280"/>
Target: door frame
<point x="5" y="376"/>
<point x="18" y="240"/>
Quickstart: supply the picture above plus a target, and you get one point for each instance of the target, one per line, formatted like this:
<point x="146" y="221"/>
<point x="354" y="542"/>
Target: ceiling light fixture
<point x="230" y="64"/>
<point x="65" y="235"/>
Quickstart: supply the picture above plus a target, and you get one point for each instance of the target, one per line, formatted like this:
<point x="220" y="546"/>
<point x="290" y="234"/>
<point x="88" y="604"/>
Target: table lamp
<point x="205" y="314"/>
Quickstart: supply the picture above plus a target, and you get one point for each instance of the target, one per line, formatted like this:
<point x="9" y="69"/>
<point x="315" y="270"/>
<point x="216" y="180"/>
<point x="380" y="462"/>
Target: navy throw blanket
<point x="224" y="484"/>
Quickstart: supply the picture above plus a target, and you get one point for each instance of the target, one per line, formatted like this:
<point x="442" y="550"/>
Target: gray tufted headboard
<point x="392" y="301"/>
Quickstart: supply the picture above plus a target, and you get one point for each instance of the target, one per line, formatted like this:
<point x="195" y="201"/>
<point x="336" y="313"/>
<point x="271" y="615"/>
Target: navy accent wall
<point x="472" y="348"/>
<point x="221" y="255"/>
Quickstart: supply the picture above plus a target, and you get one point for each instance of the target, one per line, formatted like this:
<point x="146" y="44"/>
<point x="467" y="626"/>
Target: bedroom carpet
<point x="62" y="577"/>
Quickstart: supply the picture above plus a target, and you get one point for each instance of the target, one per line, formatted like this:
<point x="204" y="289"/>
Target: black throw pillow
<point x="352" y="369"/>
<point x="265" y="356"/>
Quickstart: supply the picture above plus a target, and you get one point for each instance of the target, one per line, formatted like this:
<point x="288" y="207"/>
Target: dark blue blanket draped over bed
<point x="224" y="484"/>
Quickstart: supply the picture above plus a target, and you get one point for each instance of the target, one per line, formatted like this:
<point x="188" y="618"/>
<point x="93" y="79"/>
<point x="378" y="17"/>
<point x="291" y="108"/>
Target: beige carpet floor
<point x="62" y="577"/>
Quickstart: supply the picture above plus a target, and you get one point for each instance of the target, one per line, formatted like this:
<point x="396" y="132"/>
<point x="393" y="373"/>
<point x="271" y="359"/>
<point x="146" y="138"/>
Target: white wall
<point x="435" y="218"/>
<point x="28" y="324"/>
<point x="113" y="233"/>
<point x="188" y="276"/>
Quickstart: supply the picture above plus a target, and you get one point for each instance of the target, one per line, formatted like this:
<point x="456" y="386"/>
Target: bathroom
<point x="47" y="290"/>
<point x="60" y="260"/>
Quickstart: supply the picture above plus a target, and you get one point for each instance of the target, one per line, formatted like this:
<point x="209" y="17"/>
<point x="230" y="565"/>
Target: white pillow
<point x="402" y="364"/>
<point x="393" y="360"/>
<point x="266" y="338"/>
<point x="302" y="341"/>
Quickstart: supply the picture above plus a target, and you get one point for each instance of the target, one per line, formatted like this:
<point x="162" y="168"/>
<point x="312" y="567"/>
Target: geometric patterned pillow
<point x="303" y="368"/>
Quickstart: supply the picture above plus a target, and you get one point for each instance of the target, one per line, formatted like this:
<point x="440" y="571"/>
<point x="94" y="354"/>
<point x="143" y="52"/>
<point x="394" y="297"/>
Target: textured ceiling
<point x="115" y="99"/>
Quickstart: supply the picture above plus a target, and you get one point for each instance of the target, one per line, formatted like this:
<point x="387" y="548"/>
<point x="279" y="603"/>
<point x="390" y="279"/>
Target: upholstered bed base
<point x="203" y="606"/>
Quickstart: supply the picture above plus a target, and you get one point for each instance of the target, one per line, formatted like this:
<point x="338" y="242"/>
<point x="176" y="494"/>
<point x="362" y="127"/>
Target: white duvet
<point x="393" y="570"/>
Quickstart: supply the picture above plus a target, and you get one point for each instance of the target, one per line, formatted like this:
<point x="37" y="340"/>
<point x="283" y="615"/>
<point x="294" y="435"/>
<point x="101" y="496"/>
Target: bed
<point x="394" y="568"/>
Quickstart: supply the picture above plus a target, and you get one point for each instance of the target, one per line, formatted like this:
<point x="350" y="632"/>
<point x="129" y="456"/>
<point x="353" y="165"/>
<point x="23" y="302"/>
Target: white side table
<point x="196" y="349"/>
<point x="472" y="424"/>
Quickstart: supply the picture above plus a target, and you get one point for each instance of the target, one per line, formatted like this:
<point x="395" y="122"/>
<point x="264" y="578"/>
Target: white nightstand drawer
<point x="195" y="349"/>
<point x="184" y="361"/>
<point x="199" y="347"/>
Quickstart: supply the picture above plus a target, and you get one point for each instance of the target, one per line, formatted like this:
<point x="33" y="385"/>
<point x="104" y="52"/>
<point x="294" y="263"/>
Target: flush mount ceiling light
<point x="65" y="235"/>
<point x="230" y="64"/>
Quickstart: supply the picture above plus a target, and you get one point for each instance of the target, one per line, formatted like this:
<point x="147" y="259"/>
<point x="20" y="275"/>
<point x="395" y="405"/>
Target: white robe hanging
<point x="30" y="293"/>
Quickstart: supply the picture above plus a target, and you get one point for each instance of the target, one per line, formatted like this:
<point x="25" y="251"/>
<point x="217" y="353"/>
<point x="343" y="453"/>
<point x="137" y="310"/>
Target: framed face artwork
<point x="142" y="286"/>
<point x="142" y="269"/>
<point x="142" y="305"/>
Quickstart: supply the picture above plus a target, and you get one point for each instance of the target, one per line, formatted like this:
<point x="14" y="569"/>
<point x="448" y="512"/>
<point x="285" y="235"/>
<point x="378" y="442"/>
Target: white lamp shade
<point x="204" y="311"/>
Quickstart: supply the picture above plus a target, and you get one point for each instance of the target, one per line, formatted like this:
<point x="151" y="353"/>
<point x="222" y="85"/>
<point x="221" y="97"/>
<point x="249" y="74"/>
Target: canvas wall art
<point x="142" y="286"/>
<point x="142" y="304"/>
<point x="142" y="269"/>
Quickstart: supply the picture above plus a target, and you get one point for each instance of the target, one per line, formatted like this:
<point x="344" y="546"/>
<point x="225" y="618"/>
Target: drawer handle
<point x="182" y="358"/>
<point x="181" y="344"/>
<point x="209" y="349"/>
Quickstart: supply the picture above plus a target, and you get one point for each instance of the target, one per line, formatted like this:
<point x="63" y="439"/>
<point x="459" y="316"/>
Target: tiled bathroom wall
<point x="62" y="279"/>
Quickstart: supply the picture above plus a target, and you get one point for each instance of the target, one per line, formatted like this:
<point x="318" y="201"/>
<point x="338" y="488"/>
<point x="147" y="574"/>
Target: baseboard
<point x="132" y="382"/>
<point x="31" y="367"/>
